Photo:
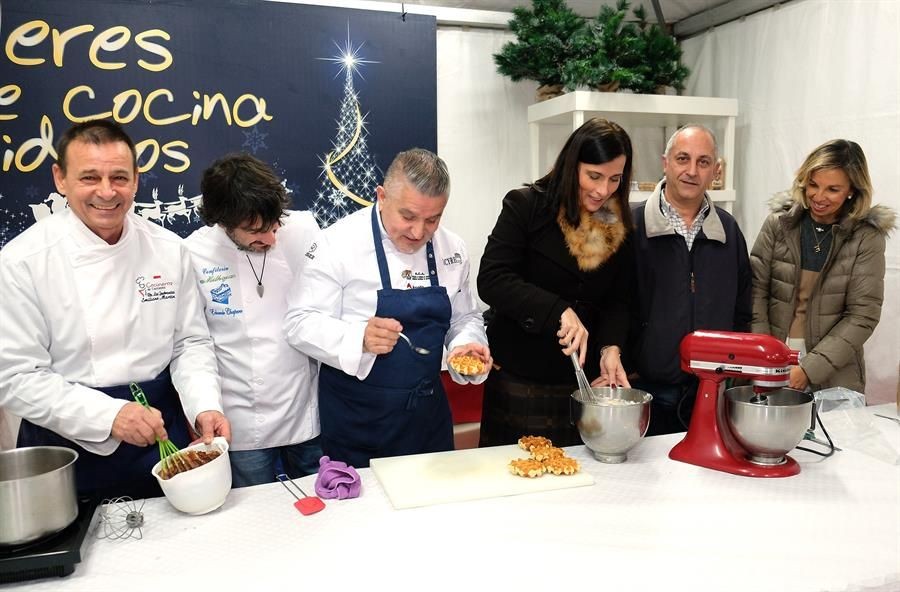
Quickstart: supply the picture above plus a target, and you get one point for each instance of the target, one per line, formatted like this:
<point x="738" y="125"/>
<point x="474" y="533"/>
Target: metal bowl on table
<point x="612" y="422"/>
<point x="37" y="492"/>
<point x="768" y="430"/>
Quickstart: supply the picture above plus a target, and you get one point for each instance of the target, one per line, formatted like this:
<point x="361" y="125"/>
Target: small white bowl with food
<point x="196" y="479"/>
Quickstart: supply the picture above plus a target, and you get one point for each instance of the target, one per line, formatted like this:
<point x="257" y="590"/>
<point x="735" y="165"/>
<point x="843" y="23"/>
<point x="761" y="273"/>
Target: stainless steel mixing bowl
<point x="610" y="429"/>
<point x="768" y="431"/>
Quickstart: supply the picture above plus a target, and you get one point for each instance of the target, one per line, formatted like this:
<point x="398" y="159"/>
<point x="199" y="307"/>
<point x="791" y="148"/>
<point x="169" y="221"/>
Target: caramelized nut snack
<point x="529" y="443"/>
<point x="526" y="467"/>
<point x="467" y="365"/>
<point x="186" y="460"/>
<point x="561" y="465"/>
<point x="543" y="453"/>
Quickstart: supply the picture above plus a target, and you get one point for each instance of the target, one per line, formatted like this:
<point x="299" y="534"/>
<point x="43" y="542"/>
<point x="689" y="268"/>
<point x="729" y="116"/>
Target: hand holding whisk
<point x="584" y="385"/>
<point x="168" y="452"/>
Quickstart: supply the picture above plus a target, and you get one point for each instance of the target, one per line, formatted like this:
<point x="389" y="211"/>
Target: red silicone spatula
<point x="307" y="504"/>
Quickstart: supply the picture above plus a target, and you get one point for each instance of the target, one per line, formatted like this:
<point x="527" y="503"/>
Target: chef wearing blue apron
<point x="373" y="274"/>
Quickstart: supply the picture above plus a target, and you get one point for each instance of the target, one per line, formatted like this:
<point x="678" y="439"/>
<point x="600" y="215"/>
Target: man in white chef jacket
<point x="244" y="260"/>
<point x="93" y="299"/>
<point x="371" y="275"/>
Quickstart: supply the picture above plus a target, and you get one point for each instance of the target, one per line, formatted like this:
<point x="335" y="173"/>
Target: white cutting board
<point x="461" y="475"/>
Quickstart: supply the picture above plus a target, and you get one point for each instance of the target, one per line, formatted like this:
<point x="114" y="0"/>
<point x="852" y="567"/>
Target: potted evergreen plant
<point x="543" y="46"/>
<point x="610" y="53"/>
<point x="661" y="55"/>
<point x="606" y="52"/>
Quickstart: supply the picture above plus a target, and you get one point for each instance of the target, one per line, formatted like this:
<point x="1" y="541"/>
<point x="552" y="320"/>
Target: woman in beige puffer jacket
<point x="818" y="267"/>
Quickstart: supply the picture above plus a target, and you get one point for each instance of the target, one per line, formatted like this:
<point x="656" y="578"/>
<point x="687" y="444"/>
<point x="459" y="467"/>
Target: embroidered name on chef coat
<point x="154" y="288"/>
<point x="216" y="274"/>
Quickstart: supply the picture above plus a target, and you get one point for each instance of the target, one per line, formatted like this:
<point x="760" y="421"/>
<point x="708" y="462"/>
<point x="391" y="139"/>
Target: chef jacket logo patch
<point x="455" y="260"/>
<point x="311" y="253"/>
<point x="413" y="276"/>
<point x="221" y="294"/>
<point x="155" y="288"/>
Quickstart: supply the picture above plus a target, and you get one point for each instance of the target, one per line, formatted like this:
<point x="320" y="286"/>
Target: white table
<point x="648" y="524"/>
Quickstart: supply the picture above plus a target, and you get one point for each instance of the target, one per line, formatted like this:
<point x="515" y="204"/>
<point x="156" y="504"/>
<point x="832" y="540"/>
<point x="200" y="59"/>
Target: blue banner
<point x="326" y="96"/>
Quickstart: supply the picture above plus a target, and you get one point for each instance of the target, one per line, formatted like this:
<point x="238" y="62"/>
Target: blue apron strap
<point x="432" y="266"/>
<point x="379" y="250"/>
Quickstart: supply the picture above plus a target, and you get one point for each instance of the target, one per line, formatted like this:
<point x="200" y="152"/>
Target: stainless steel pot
<point x="37" y="492"/>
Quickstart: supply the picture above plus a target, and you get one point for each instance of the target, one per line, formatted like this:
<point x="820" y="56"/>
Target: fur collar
<point x="597" y="237"/>
<point x="880" y="217"/>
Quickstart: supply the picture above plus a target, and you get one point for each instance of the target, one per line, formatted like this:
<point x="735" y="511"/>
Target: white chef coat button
<point x="260" y="419"/>
<point x="258" y="380"/>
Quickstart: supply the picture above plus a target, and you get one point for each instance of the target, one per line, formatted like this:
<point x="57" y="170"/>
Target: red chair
<point x="465" y="407"/>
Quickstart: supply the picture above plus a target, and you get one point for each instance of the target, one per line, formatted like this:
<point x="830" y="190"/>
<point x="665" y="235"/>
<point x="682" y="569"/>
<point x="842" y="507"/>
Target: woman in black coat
<point x="557" y="273"/>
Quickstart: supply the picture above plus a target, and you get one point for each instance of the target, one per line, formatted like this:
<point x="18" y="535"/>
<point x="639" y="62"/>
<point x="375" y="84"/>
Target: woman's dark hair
<point x="240" y="191"/>
<point x="597" y="141"/>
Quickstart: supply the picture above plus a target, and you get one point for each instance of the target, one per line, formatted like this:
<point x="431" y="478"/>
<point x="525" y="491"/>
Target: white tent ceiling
<point x="686" y="16"/>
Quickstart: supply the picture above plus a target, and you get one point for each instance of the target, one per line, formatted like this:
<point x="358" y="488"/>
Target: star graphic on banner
<point x="254" y="140"/>
<point x="348" y="57"/>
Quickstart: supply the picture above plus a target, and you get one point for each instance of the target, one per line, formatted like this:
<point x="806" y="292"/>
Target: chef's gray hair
<point x="686" y="127"/>
<point x="422" y="169"/>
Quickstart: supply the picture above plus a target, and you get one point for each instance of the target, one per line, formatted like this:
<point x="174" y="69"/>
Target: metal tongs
<point x="584" y="385"/>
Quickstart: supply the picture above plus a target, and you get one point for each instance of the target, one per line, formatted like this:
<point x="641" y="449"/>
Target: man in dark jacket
<point x="693" y="272"/>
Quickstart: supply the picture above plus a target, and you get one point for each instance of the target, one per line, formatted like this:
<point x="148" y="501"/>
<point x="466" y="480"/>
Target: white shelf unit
<point x="629" y="110"/>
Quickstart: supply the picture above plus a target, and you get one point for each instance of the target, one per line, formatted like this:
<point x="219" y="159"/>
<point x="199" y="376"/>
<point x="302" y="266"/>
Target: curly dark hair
<point x="240" y="191"/>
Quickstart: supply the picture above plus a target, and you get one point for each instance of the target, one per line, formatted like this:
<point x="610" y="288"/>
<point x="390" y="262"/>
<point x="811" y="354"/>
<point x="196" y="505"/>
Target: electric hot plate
<point x="55" y="555"/>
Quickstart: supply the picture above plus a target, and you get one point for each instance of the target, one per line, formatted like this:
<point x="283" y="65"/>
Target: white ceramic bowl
<point x="203" y="489"/>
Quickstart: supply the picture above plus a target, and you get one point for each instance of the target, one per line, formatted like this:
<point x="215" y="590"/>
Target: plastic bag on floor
<point x="851" y="427"/>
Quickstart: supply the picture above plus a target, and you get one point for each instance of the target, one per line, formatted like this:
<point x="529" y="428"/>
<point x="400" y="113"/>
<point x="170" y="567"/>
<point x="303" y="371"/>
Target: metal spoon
<point x="419" y="350"/>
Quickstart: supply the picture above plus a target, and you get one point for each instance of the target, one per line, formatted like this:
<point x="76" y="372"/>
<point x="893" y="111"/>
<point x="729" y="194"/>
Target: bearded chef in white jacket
<point x="244" y="260"/>
<point x="371" y="275"/>
<point x="95" y="298"/>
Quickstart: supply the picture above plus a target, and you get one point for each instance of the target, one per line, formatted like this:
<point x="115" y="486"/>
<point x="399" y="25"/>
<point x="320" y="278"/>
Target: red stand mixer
<point x="714" y="356"/>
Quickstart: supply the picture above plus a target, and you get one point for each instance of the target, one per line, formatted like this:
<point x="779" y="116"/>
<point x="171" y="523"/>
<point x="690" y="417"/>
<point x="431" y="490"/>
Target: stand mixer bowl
<point x="612" y="422"/>
<point x="768" y="430"/>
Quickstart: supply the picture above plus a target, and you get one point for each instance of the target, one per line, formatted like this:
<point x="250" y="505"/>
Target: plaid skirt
<point x="513" y="407"/>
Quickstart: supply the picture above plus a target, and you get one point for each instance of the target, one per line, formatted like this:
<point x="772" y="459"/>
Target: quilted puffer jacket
<point x="845" y="304"/>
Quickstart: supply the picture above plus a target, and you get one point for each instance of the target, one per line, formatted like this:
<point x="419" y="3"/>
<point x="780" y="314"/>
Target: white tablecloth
<point x="648" y="524"/>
